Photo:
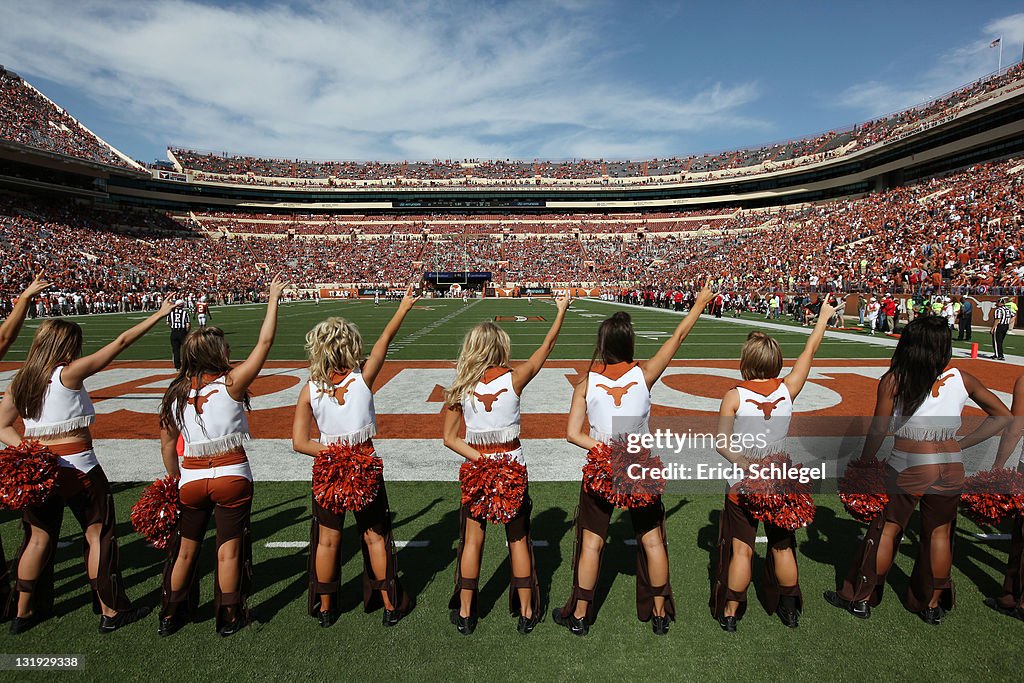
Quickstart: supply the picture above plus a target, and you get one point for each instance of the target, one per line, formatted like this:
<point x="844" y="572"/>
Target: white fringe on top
<point x="493" y="436"/>
<point x="62" y="427"/>
<point x="359" y="436"/>
<point x="926" y="433"/>
<point x="758" y="453"/>
<point x="607" y="438"/>
<point x="216" y="446"/>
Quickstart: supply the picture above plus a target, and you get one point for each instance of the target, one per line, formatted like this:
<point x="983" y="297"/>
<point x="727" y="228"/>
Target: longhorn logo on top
<point x="766" y="407"/>
<point x="617" y="392"/>
<point x="489" y="399"/>
<point x="198" y="401"/>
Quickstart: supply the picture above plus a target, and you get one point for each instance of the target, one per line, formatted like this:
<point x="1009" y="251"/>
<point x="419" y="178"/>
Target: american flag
<point x="995" y="42"/>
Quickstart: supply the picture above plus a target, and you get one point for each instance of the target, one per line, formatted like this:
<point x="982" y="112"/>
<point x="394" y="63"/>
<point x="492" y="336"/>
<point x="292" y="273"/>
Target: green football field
<point x="829" y="645"/>
<point x="435" y="328"/>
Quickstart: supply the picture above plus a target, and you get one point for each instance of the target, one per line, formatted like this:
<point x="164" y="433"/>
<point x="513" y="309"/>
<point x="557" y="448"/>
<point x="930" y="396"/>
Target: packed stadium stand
<point x="929" y="199"/>
<point x="832" y="144"/>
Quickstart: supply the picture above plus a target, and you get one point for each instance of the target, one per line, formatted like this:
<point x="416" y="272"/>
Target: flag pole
<point x="1000" y="55"/>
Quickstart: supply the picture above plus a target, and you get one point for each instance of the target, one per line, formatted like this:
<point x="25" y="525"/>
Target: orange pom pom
<point x="784" y="502"/>
<point x="606" y="475"/>
<point x="156" y="512"/>
<point x="28" y="475"/>
<point x="346" y="478"/>
<point x="493" y="487"/>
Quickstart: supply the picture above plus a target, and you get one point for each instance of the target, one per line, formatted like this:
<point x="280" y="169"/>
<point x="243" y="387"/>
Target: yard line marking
<point x="761" y="539"/>
<point x="536" y="543"/>
<point x="303" y="544"/>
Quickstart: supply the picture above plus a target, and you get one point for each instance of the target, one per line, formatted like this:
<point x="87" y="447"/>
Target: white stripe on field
<point x="303" y="544"/>
<point x="286" y="544"/>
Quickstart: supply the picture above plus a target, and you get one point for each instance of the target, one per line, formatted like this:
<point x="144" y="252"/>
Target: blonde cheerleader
<point x="339" y="399"/>
<point x="205" y="405"/>
<point x="759" y="410"/>
<point x="485" y="400"/>
<point x="48" y="393"/>
<point x="615" y="398"/>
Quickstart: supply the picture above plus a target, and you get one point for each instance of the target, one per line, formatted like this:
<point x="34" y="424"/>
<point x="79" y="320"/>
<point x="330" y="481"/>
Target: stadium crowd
<point x="266" y="171"/>
<point x="28" y="118"/>
<point x="958" y="234"/>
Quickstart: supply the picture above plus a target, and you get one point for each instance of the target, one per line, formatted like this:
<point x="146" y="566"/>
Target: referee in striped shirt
<point x="1000" y="326"/>
<point x="179" y="321"/>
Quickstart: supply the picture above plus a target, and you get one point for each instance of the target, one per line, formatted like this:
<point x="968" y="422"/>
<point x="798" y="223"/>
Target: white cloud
<point x="955" y="68"/>
<point x="331" y="79"/>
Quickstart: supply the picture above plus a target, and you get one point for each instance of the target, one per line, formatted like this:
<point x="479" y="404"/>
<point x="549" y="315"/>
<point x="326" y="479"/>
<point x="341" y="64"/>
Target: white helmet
<point x="202" y="298"/>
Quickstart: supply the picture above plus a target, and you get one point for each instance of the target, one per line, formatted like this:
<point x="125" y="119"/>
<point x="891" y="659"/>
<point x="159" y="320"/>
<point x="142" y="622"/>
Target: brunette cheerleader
<point x="48" y="393"/>
<point x="339" y="399"/>
<point x="485" y="399"/>
<point x="920" y="400"/>
<point x="8" y="335"/>
<point x="205" y="405"/>
<point x="759" y="409"/>
<point x="615" y="398"/>
<point x="1011" y="602"/>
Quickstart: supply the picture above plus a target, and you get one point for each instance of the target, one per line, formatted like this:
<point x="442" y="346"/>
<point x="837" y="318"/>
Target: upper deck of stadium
<point x="42" y="146"/>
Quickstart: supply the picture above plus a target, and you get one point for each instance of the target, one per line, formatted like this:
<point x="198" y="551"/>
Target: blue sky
<point x="326" y="79"/>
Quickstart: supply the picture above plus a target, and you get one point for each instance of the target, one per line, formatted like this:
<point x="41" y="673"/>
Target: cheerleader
<point x="205" y="405"/>
<point x="1011" y="602"/>
<point x="615" y="399"/>
<point x="759" y="410"/>
<point x="920" y="399"/>
<point x="48" y="393"/>
<point x="8" y="335"/>
<point x="485" y="399"/>
<point x="339" y="399"/>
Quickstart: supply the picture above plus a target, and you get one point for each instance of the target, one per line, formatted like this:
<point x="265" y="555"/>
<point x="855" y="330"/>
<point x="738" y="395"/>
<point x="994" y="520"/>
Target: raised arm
<point x="797" y="377"/>
<point x="12" y="326"/>
<point x="86" y="366"/>
<point x="575" y="431"/>
<point x="879" y="427"/>
<point x="379" y="352"/>
<point x="523" y="373"/>
<point x="452" y="440"/>
<point x="303" y="420"/>
<point x="657" y="364"/>
<point x="243" y="374"/>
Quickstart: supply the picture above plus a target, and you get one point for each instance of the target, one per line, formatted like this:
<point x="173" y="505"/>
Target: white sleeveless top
<point x="491" y="410"/>
<point x="936" y="419"/>
<point x="762" y="419"/>
<point x="616" y="407"/>
<point x="64" y="410"/>
<point x="213" y="422"/>
<point x="938" y="416"/>
<point x="343" y="410"/>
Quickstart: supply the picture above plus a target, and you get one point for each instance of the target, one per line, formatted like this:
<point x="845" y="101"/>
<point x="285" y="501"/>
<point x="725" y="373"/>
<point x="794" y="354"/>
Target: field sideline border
<point x="834" y="335"/>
